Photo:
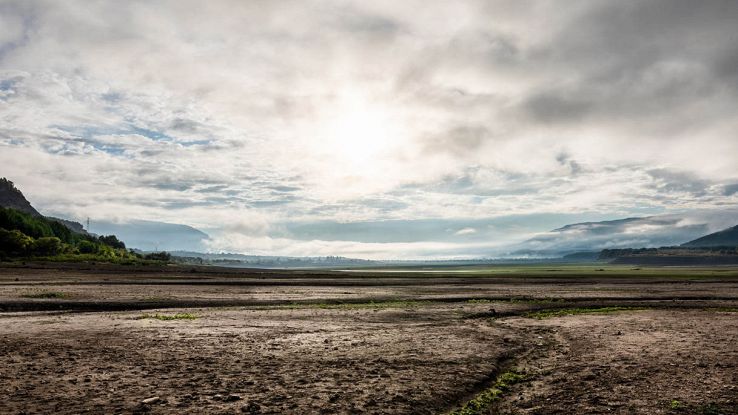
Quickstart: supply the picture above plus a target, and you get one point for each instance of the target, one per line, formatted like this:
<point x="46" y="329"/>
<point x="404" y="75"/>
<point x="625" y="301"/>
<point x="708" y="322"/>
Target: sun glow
<point x="359" y="134"/>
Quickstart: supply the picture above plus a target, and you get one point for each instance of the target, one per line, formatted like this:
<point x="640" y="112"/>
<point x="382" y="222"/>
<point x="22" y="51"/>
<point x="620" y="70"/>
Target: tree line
<point x="23" y="235"/>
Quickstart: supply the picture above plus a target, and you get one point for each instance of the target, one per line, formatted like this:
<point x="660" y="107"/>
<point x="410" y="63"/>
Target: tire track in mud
<point x="543" y="348"/>
<point x="531" y="345"/>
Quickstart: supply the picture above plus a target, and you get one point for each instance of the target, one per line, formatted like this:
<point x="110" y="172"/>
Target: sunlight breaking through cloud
<point x="279" y="113"/>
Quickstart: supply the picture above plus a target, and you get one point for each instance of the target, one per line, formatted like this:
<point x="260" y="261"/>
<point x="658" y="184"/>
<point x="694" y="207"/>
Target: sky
<point x="382" y="129"/>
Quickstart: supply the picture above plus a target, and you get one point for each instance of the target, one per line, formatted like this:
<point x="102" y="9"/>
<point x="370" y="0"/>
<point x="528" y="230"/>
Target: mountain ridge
<point x="724" y="238"/>
<point x="141" y="234"/>
<point x="12" y="197"/>
<point x="651" y="231"/>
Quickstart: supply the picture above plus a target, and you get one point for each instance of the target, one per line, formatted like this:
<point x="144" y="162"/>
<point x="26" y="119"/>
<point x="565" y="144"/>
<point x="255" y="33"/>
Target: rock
<point x="232" y="398"/>
<point x="251" y="408"/>
<point x="151" y="401"/>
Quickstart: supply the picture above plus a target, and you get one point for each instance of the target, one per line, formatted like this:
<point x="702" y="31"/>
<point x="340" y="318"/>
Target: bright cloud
<point x="248" y="118"/>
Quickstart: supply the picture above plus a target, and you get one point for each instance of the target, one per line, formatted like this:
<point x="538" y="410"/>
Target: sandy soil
<point x="251" y="349"/>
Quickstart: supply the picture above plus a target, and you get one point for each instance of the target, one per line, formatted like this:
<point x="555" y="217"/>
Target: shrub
<point x="87" y="247"/>
<point x="25" y="223"/>
<point x="159" y="256"/>
<point x="48" y="246"/>
<point x="15" y="242"/>
<point x="112" y="241"/>
<point x="62" y="232"/>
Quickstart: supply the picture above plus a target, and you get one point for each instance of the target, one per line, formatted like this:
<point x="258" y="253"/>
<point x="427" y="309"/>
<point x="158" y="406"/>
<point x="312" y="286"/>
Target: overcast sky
<point x="302" y="127"/>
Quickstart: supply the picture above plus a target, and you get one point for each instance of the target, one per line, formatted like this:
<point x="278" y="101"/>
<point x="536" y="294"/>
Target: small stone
<point x="232" y="398"/>
<point x="251" y="408"/>
<point x="150" y="401"/>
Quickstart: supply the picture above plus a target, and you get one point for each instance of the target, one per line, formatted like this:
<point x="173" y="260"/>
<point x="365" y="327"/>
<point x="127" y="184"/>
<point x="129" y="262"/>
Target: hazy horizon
<point x="383" y="130"/>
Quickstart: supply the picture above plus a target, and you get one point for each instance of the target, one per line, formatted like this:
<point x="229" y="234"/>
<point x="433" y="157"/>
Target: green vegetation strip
<point x="484" y="400"/>
<point x="167" y="317"/>
<point x="48" y="294"/>
<point x="24" y="236"/>
<point x="574" y="311"/>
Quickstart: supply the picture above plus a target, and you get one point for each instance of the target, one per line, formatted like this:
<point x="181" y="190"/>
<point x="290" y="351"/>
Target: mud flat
<point x="96" y="339"/>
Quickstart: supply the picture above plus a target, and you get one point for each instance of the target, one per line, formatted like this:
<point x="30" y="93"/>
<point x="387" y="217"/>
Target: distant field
<point x="588" y="269"/>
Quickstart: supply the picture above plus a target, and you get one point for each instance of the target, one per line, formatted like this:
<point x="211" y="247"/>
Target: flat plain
<point x="549" y="339"/>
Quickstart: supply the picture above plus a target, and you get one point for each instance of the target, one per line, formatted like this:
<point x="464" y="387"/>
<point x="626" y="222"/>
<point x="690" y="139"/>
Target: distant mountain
<point x="725" y="238"/>
<point x="72" y="225"/>
<point x="643" y="232"/>
<point x="143" y="235"/>
<point x="11" y="197"/>
<point x="153" y="236"/>
<point x="583" y="256"/>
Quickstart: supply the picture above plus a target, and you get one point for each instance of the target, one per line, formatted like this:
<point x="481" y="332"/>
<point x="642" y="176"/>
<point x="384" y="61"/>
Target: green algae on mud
<point x="168" y="317"/>
<point x="482" y="402"/>
<point x="542" y="314"/>
<point x="46" y="294"/>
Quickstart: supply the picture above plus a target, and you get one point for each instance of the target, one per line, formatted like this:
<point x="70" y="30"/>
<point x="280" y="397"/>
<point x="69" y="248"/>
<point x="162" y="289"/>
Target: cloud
<point x="465" y="231"/>
<point x="367" y="113"/>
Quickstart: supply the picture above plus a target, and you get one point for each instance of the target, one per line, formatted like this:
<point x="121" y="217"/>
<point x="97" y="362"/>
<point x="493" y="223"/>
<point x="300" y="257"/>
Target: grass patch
<point x="168" y="317"/>
<point x="575" y="311"/>
<point x="46" y="294"/>
<point x="484" y="400"/>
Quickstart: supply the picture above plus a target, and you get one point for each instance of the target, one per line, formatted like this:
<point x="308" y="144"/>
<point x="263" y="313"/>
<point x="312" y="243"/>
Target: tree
<point x="87" y="247"/>
<point x="112" y="241"/>
<point x="62" y="232"/>
<point x="34" y="227"/>
<point x="48" y="246"/>
<point x="15" y="242"/>
<point x="159" y="256"/>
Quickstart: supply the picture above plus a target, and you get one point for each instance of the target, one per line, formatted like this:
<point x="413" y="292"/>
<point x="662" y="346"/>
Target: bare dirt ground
<point x="643" y="361"/>
<point x="74" y="341"/>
